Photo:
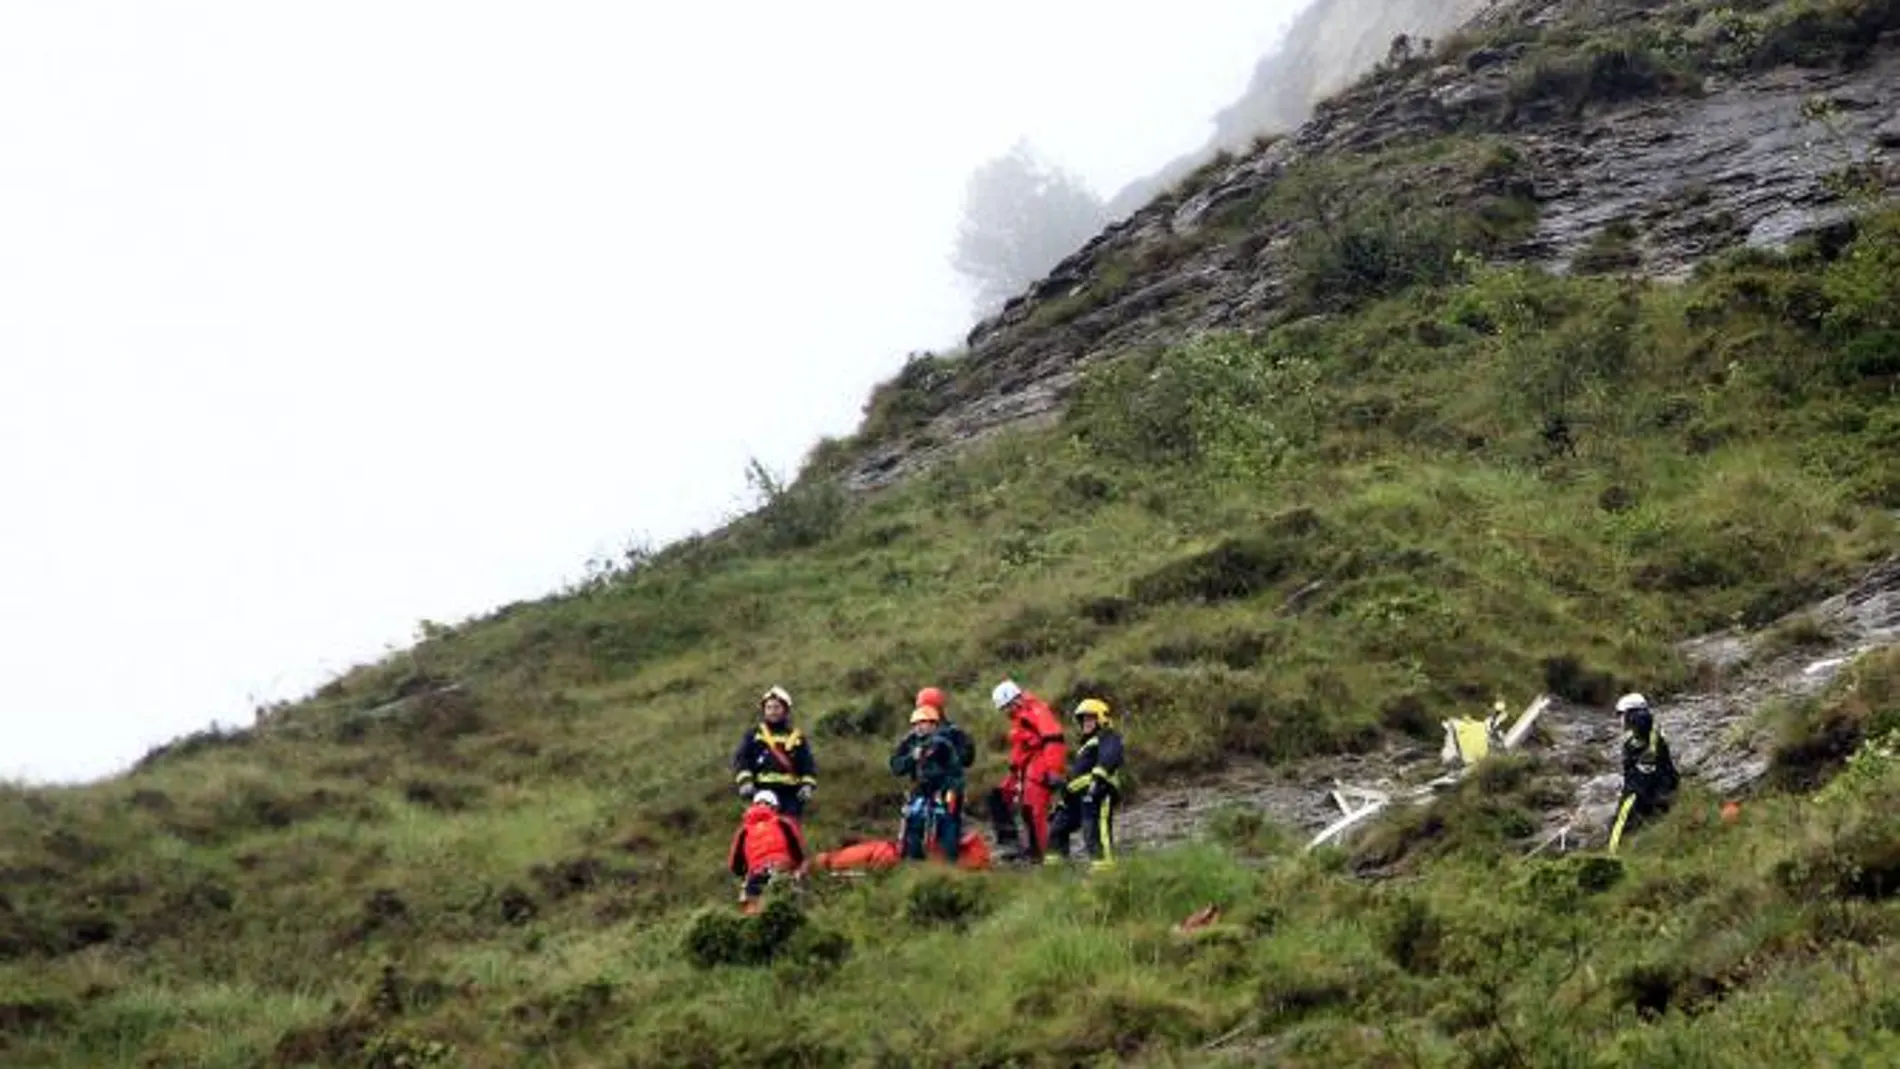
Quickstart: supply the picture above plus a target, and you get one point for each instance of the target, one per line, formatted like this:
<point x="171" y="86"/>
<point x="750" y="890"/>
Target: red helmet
<point x="930" y="697"/>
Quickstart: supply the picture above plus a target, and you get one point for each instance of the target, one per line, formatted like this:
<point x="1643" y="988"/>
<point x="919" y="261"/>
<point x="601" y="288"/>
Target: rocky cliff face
<point x="1331" y="44"/>
<point x="1628" y="136"/>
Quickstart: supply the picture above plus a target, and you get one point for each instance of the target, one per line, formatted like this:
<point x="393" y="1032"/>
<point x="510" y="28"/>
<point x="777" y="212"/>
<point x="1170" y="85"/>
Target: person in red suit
<point x="1037" y="760"/>
<point x="766" y="844"/>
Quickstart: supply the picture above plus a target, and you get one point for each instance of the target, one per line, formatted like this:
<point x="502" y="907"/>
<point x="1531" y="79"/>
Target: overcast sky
<point x="317" y="320"/>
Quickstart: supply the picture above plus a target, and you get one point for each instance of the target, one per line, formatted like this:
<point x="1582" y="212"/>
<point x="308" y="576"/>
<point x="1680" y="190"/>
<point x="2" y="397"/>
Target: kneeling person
<point x="1091" y="797"/>
<point x="767" y="843"/>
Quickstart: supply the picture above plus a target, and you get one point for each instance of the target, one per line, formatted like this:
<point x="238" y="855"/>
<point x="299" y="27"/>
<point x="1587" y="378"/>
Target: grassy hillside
<point x="493" y="849"/>
<point x="1434" y="483"/>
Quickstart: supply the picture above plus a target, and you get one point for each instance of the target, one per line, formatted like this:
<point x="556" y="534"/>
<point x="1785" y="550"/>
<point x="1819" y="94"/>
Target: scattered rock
<point x="1713" y="734"/>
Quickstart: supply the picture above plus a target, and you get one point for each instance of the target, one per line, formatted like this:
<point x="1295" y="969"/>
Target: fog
<point x="317" y="321"/>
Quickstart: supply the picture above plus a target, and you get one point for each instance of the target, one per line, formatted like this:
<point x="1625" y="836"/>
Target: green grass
<point x="497" y="848"/>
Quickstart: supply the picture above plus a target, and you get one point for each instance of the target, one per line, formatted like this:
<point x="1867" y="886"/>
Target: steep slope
<point x="1428" y="473"/>
<point x="1329" y="45"/>
<point x="1603" y="137"/>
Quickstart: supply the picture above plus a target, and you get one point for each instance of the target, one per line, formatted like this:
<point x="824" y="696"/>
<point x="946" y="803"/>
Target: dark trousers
<point x="1003" y="816"/>
<point x="940" y="817"/>
<point x="1636" y="808"/>
<point x="1096" y="821"/>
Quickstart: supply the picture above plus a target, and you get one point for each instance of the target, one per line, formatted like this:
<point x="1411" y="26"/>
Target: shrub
<point x="1611" y="249"/>
<point x="1235" y="569"/>
<point x="944" y="899"/>
<point x="911" y="399"/>
<point x="722" y="937"/>
<point x="1816" y="737"/>
<point x="1219" y="400"/>
<point x="1565" y="83"/>
<point x="800" y="515"/>
<point x="1374" y="252"/>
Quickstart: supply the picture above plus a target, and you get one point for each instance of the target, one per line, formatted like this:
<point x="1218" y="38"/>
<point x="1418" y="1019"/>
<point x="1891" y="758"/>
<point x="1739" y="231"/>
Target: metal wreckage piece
<point x="1467" y="742"/>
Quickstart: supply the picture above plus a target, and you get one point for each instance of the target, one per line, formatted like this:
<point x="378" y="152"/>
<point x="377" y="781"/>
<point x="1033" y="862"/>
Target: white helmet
<point x="766" y="798"/>
<point x="1631" y="701"/>
<point x="1007" y="691"/>
<point x="781" y="694"/>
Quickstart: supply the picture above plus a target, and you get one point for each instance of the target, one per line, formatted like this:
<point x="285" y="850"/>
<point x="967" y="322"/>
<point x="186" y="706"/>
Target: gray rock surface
<point x="1715" y="735"/>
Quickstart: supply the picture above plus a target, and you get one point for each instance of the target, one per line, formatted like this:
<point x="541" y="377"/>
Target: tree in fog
<point x="1021" y="216"/>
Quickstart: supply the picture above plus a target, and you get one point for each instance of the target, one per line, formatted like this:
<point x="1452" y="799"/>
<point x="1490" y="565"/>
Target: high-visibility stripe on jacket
<point x="767" y="758"/>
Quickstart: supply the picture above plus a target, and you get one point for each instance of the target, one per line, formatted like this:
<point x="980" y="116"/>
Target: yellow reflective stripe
<point x="812" y="780"/>
<point x="1080" y="783"/>
<point x="1104" y="775"/>
<point x="789" y="740"/>
<point x="781" y="777"/>
<point x="1622" y="818"/>
<point x="742" y="777"/>
<point x="1101" y="829"/>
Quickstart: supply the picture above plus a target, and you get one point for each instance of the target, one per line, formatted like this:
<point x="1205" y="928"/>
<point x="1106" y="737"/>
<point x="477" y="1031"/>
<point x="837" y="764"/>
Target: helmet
<point x="1006" y="692"/>
<point x="1631" y="701"/>
<point x="1094" y="707"/>
<point x="765" y="798"/>
<point x="781" y="694"/>
<point x="932" y="697"/>
<point x="924" y="714"/>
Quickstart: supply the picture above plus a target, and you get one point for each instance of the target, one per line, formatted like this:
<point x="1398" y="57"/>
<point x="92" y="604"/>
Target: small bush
<point x="944" y="899"/>
<point x="918" y="393"/>
<point x="798" y="515"/>
<point x="1035" y="632"/>
<point x="1565" y="84"/>
<point x="1219" y="401"/>
<point x="1375" y="253"/>
<point x="1236" y="569"/>
<point x="723" y="937"/>
<point x="1816" y="737"/>
<point x="1612" y="249"/>
<point x="1824" y="33"/>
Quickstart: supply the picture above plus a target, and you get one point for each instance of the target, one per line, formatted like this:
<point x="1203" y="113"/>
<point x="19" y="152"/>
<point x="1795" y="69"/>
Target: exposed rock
<point x="1714" y="735"/>
<point x="1741" y="163"/>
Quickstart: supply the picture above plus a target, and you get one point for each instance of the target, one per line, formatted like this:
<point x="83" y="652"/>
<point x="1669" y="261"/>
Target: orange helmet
<point x="932" y="697"/>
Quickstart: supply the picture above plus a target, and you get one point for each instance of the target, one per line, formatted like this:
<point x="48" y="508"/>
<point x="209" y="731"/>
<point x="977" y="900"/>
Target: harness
<point x="777" y="747"/>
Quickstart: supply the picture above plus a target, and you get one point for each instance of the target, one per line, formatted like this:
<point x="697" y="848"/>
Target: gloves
<point x="805" y="793"/>
<point x="745" y="792"/>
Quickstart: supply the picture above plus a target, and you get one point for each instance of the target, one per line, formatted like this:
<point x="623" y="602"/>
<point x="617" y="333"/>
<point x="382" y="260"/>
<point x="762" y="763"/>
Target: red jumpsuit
<point x="767" y="842"/>
<point x="1037" y="761"/>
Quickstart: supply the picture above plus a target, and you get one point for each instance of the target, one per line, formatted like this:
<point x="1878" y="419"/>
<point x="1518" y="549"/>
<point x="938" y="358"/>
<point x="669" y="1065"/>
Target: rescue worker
<point x="934" y="811"/>
<point x="932" y="698"/>
<point x="1091" y="796"/>
<point x="1649" y="775"/>
<point x="775" y="754"/>
<point x="766" y="844"/>
<point x="1036" y="762"/>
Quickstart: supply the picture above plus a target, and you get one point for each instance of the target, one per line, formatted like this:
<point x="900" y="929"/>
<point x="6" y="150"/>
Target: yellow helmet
<point x="924" y="714"/>
<point x="1094" y="707"/>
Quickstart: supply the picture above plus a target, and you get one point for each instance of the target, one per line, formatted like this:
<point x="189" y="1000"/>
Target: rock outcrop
<point x="1673" y="170"/>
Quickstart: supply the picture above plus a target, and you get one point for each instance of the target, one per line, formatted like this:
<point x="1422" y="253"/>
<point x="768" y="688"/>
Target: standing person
<point x="1036" y="760"/>
<point x="1649" y="775"/>
<point x="1092" y="793"/>
<point x="775" y="754"/>
<point x="932" y="698"/>
<point x="929" y="756"/>
<point x="766" y="844"/>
